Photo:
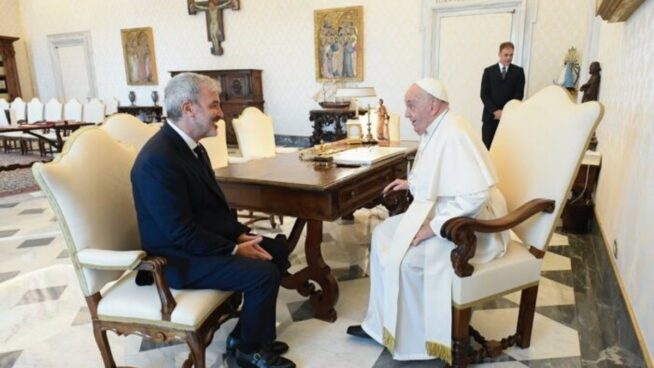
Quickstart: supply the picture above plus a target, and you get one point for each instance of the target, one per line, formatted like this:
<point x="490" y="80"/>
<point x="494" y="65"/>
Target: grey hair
<point x="185" y="87"/>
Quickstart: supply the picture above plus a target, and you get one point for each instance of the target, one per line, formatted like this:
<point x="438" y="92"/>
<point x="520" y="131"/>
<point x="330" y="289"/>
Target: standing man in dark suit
<point x="184" y="217"/>
<point x="500" y="83"/>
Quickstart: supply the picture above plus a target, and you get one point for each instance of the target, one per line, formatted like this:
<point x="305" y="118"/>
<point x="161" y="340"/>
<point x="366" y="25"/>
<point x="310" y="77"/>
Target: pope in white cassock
<point x="411" y="274"/>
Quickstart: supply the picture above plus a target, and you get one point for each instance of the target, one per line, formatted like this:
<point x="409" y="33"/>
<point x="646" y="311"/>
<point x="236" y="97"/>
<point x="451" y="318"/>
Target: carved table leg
<point x="323" y="300"/>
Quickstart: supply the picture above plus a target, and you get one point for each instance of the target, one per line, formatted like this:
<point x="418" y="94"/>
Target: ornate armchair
<point x="89" y="189"/>
<point x="537" y="150"/>
<point x="129" y="129"/>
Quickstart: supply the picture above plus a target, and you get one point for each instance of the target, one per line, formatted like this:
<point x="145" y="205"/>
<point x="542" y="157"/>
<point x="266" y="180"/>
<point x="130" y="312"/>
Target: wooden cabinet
<point x="147" y="114"/>
<point x="240" y="88"/>
<point x="9" y="85"/>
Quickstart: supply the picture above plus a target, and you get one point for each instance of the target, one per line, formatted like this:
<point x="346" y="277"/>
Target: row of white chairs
<point x="93" y="111"/>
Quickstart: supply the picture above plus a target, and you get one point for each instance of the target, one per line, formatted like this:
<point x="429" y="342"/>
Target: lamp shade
<point x="356" y="92"/>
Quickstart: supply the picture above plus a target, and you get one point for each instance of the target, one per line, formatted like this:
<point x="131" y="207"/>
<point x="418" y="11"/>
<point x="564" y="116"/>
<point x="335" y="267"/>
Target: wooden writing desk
<point x="285" y="185"/>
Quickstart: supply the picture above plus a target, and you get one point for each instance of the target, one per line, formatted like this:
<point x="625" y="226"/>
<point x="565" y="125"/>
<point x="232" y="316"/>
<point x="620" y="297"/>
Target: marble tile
<point x="555" y="262"/>
<point x="32" y="211"/>
<point x="317" y="343"/>
<point x="559" y="240"/>
<point x="564" y="277"/>
<point x="549" y="293"/>
<point x="7" y="233"/>
<point x="499" y="303"/>
<point x="8" y="205"/>
<point x="8" y="359"/>
<point x="573" y="362"/>
<point x="63" y="254"/>
<point x="549" y="339"/>
<point x="42" y="295"/>
<point x="4" y="276"/>
<point x="565" y="314"/>
<point x="83" y="316"/>
<point x="35" y="242"/>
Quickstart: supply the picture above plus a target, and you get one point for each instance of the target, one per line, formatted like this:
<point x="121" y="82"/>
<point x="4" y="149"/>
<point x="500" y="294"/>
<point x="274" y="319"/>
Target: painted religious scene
<point x="138" y="51"/>
<point x="339" y="44"/>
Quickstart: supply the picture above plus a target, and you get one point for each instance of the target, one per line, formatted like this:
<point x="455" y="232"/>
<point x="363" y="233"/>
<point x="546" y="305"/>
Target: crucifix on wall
<point x="214" y="13"/>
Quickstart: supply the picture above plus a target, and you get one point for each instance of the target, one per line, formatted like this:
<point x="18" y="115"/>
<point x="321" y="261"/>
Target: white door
<point x="72" y="66"/>
<point x="468" y="44"/>
<point x="74" y="72"/>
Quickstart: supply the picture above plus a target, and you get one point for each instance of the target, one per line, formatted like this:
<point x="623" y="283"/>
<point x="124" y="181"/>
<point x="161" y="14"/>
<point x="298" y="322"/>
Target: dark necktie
<point x="503" y="71"/>
<point x="204" y="159"/>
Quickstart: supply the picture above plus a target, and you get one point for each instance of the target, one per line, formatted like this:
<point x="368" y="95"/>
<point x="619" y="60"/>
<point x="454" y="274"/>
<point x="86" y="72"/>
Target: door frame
<point x="434" y="11"/>
<point x="83" y="39"/>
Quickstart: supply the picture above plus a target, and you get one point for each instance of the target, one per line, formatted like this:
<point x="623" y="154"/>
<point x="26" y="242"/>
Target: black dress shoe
<point x="358" y="331"/>
<point x="262" y="359"/>
<point x="277" y="347"/>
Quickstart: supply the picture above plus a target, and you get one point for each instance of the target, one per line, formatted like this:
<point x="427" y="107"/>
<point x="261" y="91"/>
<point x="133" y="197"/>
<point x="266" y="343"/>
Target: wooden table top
<point x="288" y="171"/>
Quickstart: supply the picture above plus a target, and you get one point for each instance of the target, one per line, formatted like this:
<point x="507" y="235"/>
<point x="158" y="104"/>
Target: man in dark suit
<point x="184" y="217"/>
<point x="500" y="83"/>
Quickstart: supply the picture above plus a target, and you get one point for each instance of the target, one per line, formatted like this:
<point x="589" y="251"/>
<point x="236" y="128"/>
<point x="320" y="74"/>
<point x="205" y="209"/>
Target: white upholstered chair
<point x="217" y="147"/>
<point x="34" y="110"/>
<point x="53" y="110"/>
<point x="129" y="129"/>
<point x="93" y="111"/>
<point x="4" y="105"/>
<point x="20" y="108"/>
<point x="255" y="135"/>
<point x="73" y="110"/>
<point x="111" y="105"/>
<point x="88" y="187"/>
<point x="535" y="179"/>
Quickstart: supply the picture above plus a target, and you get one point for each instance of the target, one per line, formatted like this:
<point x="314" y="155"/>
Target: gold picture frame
<point x="338" y="44"/>
<point x="139" y="56"/>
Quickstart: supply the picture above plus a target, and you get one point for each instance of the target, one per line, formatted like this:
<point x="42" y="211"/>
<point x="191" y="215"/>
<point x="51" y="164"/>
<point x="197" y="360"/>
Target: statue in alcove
<point x="591" y="88"/>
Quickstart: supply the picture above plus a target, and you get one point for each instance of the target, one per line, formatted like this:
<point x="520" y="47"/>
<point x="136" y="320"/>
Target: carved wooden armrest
<point x="461" y="231"/>
<point x="155" y="265"/>
<point x="396" y="201"/>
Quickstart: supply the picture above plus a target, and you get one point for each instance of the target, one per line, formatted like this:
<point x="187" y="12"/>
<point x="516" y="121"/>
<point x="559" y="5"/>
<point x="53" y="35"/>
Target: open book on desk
<point x="366" y="155"/>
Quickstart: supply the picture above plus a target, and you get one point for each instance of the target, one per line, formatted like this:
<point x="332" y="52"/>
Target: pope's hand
<point x="397" y="184"/>
<point x="425" y="232"/>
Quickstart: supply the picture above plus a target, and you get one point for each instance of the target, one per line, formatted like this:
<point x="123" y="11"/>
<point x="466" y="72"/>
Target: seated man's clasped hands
<point x="183" y="216"/>
<point x="411" y="274"/>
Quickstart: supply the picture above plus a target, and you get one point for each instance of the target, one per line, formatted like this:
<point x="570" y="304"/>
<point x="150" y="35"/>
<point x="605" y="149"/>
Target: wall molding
<point x="83" y="39"/>
<point x="524" y="16"/>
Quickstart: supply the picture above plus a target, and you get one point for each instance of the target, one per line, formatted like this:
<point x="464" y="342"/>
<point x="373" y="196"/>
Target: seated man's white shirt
<point x="454" y="172"/>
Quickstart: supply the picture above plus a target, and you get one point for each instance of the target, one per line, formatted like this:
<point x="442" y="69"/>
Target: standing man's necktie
<point x="503" y="72"/>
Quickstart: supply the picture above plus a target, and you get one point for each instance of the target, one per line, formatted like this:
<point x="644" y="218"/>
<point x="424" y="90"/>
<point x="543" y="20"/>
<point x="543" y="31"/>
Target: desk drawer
<point x="355" y="195"/>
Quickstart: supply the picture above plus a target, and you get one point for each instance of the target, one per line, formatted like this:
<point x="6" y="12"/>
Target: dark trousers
<point x="488" y="129"/>
<point x="259" y="282"/>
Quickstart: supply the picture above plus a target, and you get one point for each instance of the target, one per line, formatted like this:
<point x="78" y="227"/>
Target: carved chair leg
<point x="526" y="316"/>
<point x="103" y="345"/>
<point x="461" y="337"/>
<point x="197" y="347"/>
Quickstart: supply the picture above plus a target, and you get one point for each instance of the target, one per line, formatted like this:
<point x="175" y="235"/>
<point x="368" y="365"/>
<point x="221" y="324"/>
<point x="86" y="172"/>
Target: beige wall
<point x="11" y="25"/>
<point x="625" y="195"/>
<point x="276" y="36"/>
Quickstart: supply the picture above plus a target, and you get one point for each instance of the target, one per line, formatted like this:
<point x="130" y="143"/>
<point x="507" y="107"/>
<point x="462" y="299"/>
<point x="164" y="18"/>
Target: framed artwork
<point x="138" y="52"/>
<point x="338" y="43"/>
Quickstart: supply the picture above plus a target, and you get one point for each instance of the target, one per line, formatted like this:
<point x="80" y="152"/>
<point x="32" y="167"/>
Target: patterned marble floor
<point x="581" y="318"/>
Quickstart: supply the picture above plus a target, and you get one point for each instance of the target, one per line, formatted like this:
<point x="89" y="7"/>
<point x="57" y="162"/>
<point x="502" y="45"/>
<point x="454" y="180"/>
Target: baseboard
<point x="623" y="290"/>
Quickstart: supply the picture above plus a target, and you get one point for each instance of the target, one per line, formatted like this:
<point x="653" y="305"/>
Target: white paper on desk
<point x="366" y="155"/>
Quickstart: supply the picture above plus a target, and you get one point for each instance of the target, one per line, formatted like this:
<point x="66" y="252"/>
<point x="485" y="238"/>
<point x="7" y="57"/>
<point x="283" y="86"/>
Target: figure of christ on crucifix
<point x="214" y="11"/>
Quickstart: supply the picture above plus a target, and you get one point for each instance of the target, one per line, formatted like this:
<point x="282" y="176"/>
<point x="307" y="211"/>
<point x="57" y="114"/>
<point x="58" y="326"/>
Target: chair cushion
<point x="516" y="269"/>
<point x="125" y="301"/>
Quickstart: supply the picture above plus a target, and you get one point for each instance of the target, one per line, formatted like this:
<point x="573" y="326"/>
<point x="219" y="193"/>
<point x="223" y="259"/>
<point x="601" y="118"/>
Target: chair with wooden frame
<point x="536" y="151"/>
<point x="88" y="187"/>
